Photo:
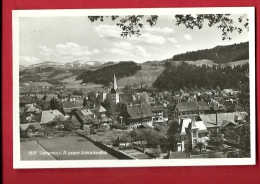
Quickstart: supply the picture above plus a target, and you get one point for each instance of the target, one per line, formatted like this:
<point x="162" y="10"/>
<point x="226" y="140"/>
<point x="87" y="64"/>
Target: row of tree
<point x="219" y="54"/>
<point x="176" y="76"/>
<point x="105" y="75"/>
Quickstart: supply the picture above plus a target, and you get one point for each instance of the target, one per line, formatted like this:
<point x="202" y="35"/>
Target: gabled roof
<point x="74" y="121"/>
<point x="139" y="111"/>
<point x="86" y="112"/>
<point x="27" y="99"/>
<point x="192" y="106"/>
<point x="33" y="110"/>
<point x="233" y="108"/>
<point x="156" y="108"/>
<point x="210" y="119"/>
<point x="49" y="115"/>
<point x="68" y="105"/>
<point x="25" y="126"/>
<point x="184" y="125"/>
<point x="46" y="98"/>
<point x="100" y="108"/>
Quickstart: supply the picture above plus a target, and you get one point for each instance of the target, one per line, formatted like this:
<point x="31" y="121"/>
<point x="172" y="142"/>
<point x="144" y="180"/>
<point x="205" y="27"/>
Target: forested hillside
<point x="105" y="75"/>
<point x="219" y="54"/>
<point x="191" y="76"/>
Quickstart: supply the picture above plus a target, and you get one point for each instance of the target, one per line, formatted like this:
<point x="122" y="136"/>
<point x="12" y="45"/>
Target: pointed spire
<point x="115" y="84"/>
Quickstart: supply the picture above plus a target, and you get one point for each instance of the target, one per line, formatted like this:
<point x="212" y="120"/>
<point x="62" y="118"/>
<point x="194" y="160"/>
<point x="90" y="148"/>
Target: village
<point x="134" y="122"/>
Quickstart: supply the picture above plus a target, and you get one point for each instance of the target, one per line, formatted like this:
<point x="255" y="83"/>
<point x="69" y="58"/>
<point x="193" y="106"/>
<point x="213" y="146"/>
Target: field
<point x="73" y="147"/>
<point x="76" y="84"/>
<point x="146" y="75"/>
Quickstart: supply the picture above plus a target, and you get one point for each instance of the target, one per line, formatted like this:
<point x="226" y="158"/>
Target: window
<point x="194" y="134"/>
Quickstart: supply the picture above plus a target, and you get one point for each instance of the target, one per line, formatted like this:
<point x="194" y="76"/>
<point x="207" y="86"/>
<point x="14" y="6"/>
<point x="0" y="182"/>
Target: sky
<point x="68" y="39"/>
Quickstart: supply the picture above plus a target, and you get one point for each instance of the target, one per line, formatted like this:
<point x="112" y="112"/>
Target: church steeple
<point x="114" y="83"/>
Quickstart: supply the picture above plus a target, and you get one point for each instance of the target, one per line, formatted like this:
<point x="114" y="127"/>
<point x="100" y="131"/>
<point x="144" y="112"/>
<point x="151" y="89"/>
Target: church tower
<point x="114" y="93"/>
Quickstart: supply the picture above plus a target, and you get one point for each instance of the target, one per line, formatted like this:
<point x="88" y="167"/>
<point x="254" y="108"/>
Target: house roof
<point x="100" y="108"/>
<point x="46" y="98"/>
<point x="68" y="105"/>
<point x="210" y="119"/>
<point x="25" y="126"/>
<point x="139" y="111"/>
<point x="184" y="125"/>
<point x="33" y="110"/>
<point x="192" y="106"/>
<point x="233" y="108"/>
<point x="63" y="95"/>
<point x="156" y="108"/>
<point x="49" y="115"/>
<point x="27" y="99"/>
<point x="74" y="121"/>
<point x="86" y="112"/>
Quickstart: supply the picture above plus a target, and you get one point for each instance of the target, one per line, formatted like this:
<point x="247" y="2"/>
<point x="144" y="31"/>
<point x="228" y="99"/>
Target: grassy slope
<point x="147" y="74"/>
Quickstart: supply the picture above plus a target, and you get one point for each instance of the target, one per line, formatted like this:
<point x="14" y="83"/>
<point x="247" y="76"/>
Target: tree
<point x="132" y="24"/>
<point x="127" y="87"/>
<point x="125" y="138"/>
<point x="216" y="140"/>
<point x="59" y="121"/>
<point x="217" y="88"/>
<point x="144" y="98"/>
<point x="84" y="101"/>
<point x="200" y="145"/>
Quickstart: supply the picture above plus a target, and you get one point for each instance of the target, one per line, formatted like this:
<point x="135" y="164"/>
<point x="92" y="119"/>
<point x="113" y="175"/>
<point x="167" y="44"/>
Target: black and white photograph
<point x="133" y="87"/>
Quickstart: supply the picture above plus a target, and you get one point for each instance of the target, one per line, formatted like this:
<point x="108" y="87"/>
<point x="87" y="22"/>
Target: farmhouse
<point x="27" y="101"/>
<point x="219" y="122"/>
<point x="136" y="114"/>
<point x="67" y="107"/>
<point x="189" y="133"/>
<point x="48" y="116"/>
<point x="185" y="109"/>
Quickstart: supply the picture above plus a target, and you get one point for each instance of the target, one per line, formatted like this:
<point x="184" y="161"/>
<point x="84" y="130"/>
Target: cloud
<point x="149" y="38"/>
<point x="173" y="40"/>
<point x="108" y="31"/>
<point x="68" y="49"/>
<point x="177" y="45"/>
<point x="158" y="29"/>
<point x="187" y="37"/>
<point x="27" y="60"/>
<point x="127" y="49"/>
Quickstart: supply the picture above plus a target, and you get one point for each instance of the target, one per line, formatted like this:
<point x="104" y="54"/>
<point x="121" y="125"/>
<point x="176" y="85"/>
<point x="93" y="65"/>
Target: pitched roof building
<point x="49" y="115"/>
<point x="136" y="114"/>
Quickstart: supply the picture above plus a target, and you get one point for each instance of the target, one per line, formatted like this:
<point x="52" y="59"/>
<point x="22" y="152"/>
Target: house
<point x="84" y="117"/>
<point x="136" y="114"/>
<point x="27" y="100"/>
<point x="98" y="111"/>
<point x="157" y="113"/>
<point x="219" y="122"/>
<point x="67" y="107"/>
<point x="48" y="116"/>
<point x="183" y="109"/>
<point x="75" y="123"/>
<point x="64" y="96"/>
<point x="29" y="129"/>
<point x="189" y="133"/>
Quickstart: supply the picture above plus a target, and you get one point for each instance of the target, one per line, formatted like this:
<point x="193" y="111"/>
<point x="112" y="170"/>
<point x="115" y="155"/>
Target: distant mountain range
<point x="74" y="64"/>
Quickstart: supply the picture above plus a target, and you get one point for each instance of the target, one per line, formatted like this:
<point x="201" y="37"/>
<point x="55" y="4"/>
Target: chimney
<point x="179" y="122"/>
<point x="141" y="105"/>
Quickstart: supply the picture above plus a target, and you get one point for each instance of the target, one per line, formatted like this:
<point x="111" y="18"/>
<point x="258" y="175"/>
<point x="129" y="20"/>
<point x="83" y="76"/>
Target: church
<point x="114" y="91"/>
